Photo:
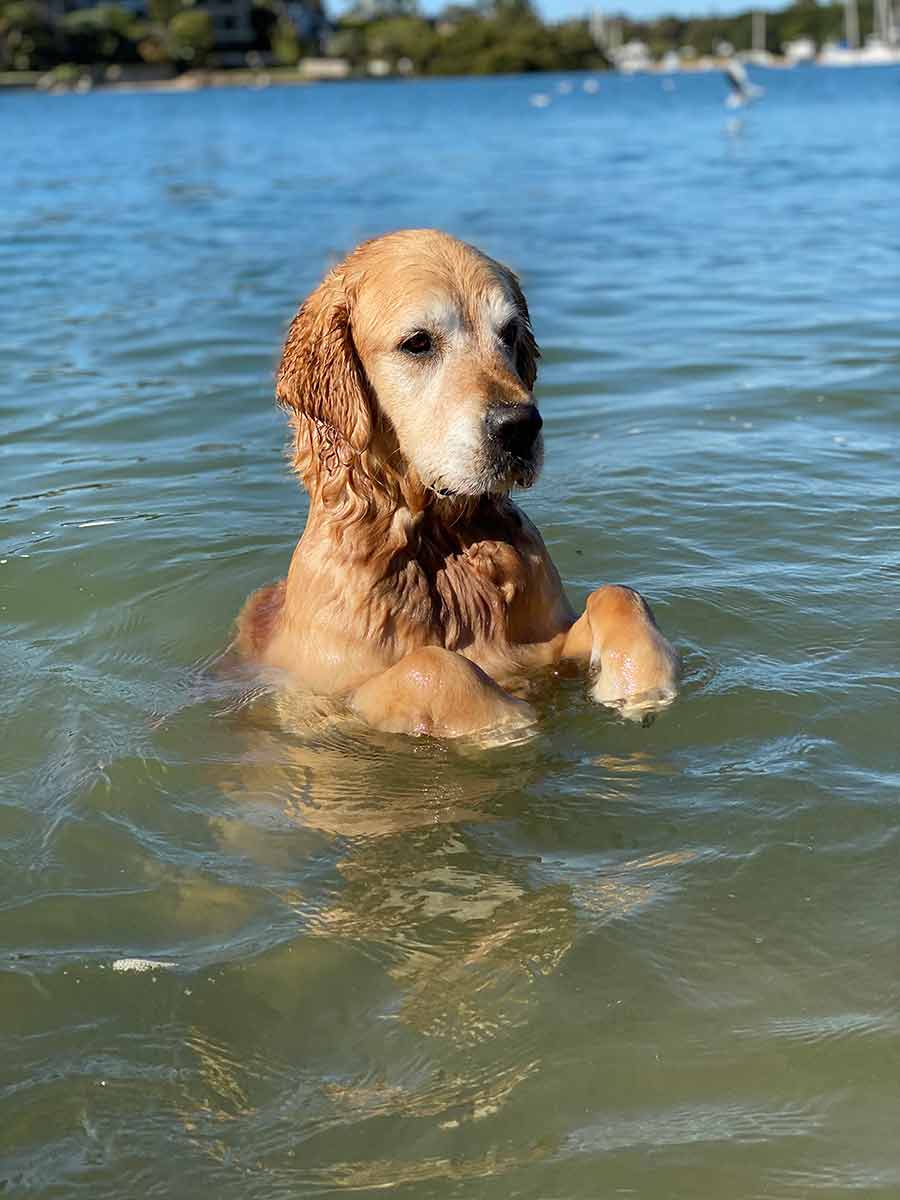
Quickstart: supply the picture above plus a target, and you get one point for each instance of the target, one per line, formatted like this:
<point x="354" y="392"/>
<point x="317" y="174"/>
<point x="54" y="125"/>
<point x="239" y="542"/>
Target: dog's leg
<point x="436" y="691"/>
<point x="579" y="641"/>
<point x="618" y="640"/>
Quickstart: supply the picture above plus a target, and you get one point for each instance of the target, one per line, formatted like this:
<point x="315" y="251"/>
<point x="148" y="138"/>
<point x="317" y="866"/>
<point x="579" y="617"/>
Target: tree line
<point x="491" y="37"/>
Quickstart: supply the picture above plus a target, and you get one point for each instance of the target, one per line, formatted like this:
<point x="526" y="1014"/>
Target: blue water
<point x="617" y="961"/>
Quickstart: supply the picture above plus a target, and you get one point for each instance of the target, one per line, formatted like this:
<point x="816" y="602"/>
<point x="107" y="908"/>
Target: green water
<point x="614" y="961"/>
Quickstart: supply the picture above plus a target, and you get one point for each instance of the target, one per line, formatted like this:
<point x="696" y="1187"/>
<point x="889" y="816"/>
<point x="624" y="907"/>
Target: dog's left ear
<point x="527" y="352"/>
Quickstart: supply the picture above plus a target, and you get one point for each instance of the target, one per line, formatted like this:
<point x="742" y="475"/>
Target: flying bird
<point x="742" y="90"/>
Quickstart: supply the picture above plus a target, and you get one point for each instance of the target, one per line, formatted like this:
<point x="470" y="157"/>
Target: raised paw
<point x="635" y="667"/>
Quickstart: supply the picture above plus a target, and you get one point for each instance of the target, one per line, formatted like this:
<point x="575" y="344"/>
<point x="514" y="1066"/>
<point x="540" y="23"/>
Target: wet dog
<point x="420" y="596"/>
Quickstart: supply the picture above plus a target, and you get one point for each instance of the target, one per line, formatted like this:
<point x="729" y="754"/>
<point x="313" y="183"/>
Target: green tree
<point x="161" y="12"/>
<point x="576" y="49"/>
<point x="823" y="23"/>
<point x="397" y="38"/>
<point x="511" y="39"/>
<point x="189" y="36"/>
<point x="105" y="33"/>
<point x="349" y="42"/>
<point x="511" y="10"/>
<point x="285" y="43"/>
<point x="27" y="36"/>
<point x="468" y="39"/>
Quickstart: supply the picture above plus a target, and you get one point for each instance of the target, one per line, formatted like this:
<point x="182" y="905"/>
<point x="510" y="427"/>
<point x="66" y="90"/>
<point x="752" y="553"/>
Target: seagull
<point x="742" y="90"/>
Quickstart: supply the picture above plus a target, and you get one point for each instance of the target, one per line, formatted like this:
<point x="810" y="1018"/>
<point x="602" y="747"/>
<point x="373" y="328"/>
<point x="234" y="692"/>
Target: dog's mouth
<point x="504" y="481"/>
<point x="501" y="474"/>
<point x="520" y="470"/>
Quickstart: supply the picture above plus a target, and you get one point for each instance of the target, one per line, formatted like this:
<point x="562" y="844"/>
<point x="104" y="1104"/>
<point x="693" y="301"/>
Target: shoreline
<point x="245" y="77"/>
<point x="188" y="81"/>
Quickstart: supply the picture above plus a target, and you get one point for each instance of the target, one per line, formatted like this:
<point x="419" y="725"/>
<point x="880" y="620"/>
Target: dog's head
<point x="417" y="351"/>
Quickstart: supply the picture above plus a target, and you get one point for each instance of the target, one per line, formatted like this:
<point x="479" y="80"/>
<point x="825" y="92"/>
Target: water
<point x="616" y="961"/>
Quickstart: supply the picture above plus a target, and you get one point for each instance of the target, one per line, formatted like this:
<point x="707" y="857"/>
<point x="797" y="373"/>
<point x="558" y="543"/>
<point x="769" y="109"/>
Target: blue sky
<point x="556" y="10"/>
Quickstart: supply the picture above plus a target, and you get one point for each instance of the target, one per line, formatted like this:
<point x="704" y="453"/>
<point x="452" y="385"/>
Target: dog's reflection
<point x="418" y="880"/>
<point x="411" y="853"/>
<point x="460" y="926"/>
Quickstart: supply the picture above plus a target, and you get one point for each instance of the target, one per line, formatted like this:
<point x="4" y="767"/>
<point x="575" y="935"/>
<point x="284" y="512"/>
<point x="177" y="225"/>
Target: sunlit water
<point x="651" y="962"/>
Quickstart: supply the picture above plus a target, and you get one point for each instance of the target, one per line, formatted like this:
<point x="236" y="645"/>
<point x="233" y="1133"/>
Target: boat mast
<point x="851" y="24"/>
<point x="759" y="31"/>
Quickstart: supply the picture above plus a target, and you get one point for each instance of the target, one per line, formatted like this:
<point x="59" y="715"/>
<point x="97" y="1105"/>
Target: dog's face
<point x="443" y="351"/>
<point x="440" y="336"/>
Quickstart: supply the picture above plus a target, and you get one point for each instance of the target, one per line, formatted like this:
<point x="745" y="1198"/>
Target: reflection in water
<point x="453" y="1097"/>
<point x="462" y="931"/>
<point x="638" y="763"/>
<point x="465" y="935"/>
<point x="393" y="1173"/>
<point x="330" y="774"/>
<point x="219" y="1072"/>
<point x="688" y="1126"/>
<point x="480" y="988"/>
<point x="221" y="1121"/>
<point x="825" y="1027"/>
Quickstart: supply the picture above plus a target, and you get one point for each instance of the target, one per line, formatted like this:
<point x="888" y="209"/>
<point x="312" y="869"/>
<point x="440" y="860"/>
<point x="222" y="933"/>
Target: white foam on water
<point x="142" y="964"/>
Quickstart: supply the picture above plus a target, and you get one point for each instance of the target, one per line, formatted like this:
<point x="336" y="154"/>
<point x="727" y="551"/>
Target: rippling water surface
<point x="615" y="961"/>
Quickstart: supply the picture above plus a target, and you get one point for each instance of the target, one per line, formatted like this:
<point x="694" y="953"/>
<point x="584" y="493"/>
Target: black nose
<point x="515" y="427"/>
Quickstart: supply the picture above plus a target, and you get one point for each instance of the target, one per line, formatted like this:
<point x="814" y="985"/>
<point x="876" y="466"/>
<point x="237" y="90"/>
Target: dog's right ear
<point x="320" y="376"/>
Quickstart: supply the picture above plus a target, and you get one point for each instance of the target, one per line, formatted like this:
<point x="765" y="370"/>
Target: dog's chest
<point x="478" y="590"/>
<point x="485" y="591"/>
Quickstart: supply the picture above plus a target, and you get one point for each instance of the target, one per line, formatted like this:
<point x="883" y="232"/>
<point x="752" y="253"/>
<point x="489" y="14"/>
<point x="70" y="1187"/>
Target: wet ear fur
<point x="320" y="376"/>
<point x="527" y="352"/>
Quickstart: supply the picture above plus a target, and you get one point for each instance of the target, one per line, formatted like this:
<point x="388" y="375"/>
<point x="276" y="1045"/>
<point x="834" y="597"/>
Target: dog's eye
<point x="417" y="343"/>
<point x="508" y="334"/>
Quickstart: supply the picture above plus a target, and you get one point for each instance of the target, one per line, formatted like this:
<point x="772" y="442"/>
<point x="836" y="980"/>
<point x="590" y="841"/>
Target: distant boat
<point x="875" y="53"/>
<point x="539" y="100"/>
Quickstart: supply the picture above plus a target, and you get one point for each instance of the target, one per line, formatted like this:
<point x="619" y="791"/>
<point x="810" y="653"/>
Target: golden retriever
<point x="419" y="594"/>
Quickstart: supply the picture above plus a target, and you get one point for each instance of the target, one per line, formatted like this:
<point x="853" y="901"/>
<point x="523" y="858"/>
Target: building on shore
<point x="234" y="28"/>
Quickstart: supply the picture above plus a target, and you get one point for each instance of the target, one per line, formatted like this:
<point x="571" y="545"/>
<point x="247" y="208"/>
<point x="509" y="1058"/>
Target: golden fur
<point x="637" y="668"/>
<point x="418" y="591"/>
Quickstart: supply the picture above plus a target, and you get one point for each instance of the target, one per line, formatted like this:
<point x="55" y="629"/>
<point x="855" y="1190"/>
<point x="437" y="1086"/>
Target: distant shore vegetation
<point x="505" y="37"/>
<point x="494" y="37"/>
